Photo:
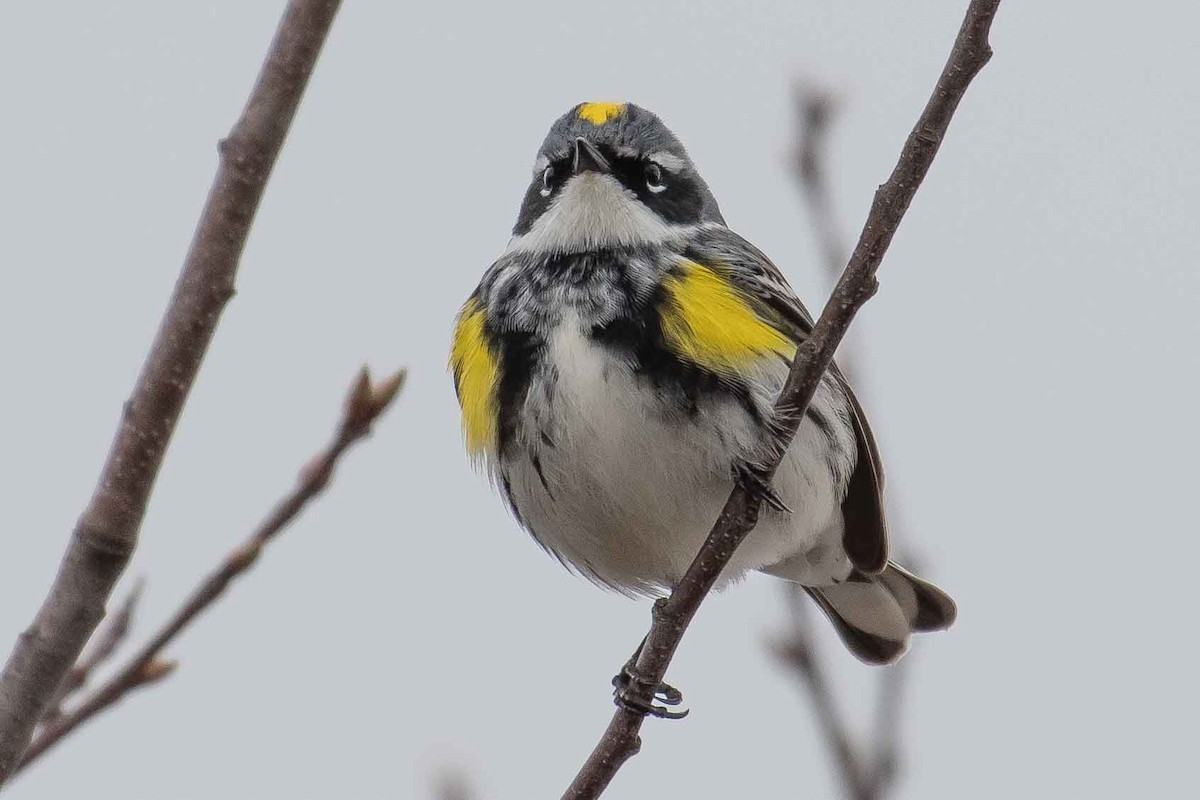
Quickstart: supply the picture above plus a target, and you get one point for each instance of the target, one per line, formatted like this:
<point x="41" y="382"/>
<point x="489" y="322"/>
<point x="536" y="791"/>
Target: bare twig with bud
<point x="104" y="644"/>
<point x="366" y="401"/>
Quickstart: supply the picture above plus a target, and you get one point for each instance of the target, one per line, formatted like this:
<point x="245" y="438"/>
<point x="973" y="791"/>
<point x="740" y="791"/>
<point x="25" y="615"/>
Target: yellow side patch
<point x="600" y="113"/>
<point x="476" y="375"/>
<point x="707" y="321"/>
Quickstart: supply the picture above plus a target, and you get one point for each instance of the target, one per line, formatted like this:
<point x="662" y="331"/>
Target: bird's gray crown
<point x="618" y="125"/>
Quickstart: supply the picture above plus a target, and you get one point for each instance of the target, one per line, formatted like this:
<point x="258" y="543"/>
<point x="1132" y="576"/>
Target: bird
<point x="617" y="367"/>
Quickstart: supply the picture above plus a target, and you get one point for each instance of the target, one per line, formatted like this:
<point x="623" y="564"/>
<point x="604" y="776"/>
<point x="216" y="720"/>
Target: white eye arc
<point x="547" y="182"/>
<point x="654" y="178"/>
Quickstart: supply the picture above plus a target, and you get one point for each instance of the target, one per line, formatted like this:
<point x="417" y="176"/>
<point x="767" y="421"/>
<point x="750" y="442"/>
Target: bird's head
<point x="610" y="175"/>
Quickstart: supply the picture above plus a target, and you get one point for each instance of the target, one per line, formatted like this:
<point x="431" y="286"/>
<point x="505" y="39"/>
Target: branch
<point x="364" y="405"/>
<point x="866" y="773"/>
<point x="857" y="284"/>
<point x="106" y="534"/>
<point x="885" y="766"/>
<point x="800" y="655"/>
<point x="109" y="636"/>
<point x="816" y="111"/>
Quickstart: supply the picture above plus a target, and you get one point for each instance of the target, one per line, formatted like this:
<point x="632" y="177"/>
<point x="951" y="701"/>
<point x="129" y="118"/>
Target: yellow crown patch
<point x="600" y="113"/>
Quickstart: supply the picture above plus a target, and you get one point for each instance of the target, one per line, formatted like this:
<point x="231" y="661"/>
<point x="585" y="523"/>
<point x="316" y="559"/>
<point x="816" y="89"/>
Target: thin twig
<point x="109" y="636"/>
<point x="858" y="283"/>
<point x="884" y="768"/>
<point x="364" y="405"/>
<point x="106" y="534"/>
<point x="798" y="652"/>
<point x="816" y="110"/>
<point x="867" y="773"/>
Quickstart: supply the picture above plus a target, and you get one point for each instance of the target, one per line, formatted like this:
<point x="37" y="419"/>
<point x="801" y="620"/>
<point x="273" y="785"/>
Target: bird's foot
<point x="754" y="481"/>
<point x="630" y="691"/>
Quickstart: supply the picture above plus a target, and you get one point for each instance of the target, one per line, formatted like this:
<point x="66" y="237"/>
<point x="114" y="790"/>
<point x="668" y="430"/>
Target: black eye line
<point x="627" y="168"/>
<point x="683" y="203"/>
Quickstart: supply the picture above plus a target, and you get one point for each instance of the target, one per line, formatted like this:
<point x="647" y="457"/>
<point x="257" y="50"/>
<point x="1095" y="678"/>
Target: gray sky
<point x="1032" y="376"/>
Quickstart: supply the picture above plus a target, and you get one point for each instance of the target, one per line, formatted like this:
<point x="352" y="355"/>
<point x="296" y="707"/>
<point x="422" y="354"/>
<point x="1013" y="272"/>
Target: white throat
<point x="592" y="211"/>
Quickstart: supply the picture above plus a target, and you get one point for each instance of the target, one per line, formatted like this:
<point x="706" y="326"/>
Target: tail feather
<point x="866" y="617"/>
<point x="874" y="614"/>
<point x="927" y="607"/>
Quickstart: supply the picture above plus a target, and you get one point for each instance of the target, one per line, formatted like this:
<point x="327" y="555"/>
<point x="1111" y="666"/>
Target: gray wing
<point x="865" y="536"/>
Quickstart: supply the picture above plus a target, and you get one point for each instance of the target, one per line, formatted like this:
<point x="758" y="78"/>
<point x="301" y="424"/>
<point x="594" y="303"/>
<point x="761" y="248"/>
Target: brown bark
<point x="106" y="534"/>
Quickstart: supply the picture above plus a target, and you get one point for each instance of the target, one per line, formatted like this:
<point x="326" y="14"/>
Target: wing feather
<point x="865" y="535"/>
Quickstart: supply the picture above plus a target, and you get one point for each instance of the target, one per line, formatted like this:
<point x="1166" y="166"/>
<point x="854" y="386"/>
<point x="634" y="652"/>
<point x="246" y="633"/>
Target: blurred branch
<point x="866" y="773"/>
<point x="106" y="534"/>
<point x="453" y="784"/>
<point x="798" y="652"/>
<point x="884" y="768"/>
<point x="816" y="110"/>
<point x="364" y="405"/>
<point x="857" y="284"/>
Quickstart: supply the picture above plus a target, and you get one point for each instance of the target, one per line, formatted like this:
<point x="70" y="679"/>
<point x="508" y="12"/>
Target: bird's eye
<point x="654" y="178"/>
<point x="547" y="182"/>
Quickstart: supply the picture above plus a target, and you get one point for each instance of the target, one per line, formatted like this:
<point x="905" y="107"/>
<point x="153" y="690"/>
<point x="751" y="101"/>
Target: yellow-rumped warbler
<point x="617" y="364"/>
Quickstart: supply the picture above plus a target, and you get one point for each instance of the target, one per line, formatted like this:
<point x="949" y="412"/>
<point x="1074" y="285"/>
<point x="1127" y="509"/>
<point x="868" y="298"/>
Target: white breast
<point x="624" y="488"/>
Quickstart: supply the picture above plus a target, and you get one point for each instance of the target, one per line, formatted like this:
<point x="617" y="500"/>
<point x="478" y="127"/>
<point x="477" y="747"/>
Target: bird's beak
<point x="588" y="158"/>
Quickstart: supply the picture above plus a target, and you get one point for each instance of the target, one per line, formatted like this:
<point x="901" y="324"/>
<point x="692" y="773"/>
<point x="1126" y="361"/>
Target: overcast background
<point x="1031" y="366"/>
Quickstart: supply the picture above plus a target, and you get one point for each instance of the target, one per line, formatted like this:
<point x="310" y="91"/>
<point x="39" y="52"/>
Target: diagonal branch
<point x="364" y="405"/>
<point x="106" y="533"/>
<point x="857" y="284"/>
<point x="100" y="649"/>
